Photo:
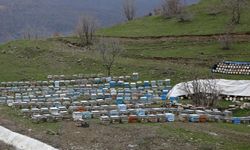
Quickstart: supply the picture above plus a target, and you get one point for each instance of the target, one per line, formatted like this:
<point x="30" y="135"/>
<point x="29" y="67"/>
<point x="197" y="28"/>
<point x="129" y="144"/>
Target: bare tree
<point x="109" y="49"/>
<point x="203" y="92"/>
<point x="129" y="9"/>
<point x="171" y="8"/>
<point x="86" y="29"/>
<point x="235" y="8"/>
<point x="33" y="33"/>
<point x="226" y="38"/>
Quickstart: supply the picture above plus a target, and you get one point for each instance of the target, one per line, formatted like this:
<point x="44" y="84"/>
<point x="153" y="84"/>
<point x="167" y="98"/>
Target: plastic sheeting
<point x="22" y="142"/>
<point x="225" y="87"/>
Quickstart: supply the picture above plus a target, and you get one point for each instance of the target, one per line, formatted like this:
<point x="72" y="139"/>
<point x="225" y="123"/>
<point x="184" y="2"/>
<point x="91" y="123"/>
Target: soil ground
<point x="141" y="136"/>
<point x="4" y="146"/>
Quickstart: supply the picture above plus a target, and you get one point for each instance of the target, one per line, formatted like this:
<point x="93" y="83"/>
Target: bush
<point x="185" y="17"/>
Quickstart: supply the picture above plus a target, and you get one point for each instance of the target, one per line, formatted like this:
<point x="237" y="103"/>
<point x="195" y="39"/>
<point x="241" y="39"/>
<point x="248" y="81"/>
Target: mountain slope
<point x="202" y="23"/>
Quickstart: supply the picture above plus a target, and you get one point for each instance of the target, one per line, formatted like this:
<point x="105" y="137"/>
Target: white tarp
<point x="22" y="142"/>
<point x="225" y="87"/>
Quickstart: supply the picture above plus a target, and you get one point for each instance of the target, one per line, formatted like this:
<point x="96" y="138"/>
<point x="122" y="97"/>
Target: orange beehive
<point x="81" y="109"/>
<point x="132" y="119"/>
<point x="203" y="118"/>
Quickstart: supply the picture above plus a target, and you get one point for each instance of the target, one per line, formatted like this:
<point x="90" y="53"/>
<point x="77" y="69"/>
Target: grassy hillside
<point x="177" y="59"/>
<point x="201" y="24"/>
<point x="34" y="60"/>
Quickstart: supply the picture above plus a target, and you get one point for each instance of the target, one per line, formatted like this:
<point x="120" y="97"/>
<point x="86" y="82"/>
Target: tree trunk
<point x="108" y="71"/>
<point x="238" y="13"/>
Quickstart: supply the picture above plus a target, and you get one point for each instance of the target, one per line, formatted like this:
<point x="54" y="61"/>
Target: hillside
<point x="203" y="23"/>
<point x="33" y="60"/>
<point x="177" y="58"/>
<point x="155" y="48"/>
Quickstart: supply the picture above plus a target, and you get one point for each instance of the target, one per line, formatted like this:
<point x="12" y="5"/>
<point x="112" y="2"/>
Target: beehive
<point x="152" y="118"/>
<point x="124" y="118"/>
<point x="203" y="118"/>
<point x="194" y="118"/>
<point x="132" y="119"/>
<point x="170" y="117"/>
<point x="143" y="118"/>
<point x="161" y="118"/>
<point x="105" y="120"/>
<point x="183" y="117"/>
<point x="115" y="119"/>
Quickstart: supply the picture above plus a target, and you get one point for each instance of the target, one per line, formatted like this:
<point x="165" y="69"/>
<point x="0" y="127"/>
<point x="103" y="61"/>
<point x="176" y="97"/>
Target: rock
<point x="50" y="132"/>
<point x="213" y="133"/>
<point x="132" y="146"/>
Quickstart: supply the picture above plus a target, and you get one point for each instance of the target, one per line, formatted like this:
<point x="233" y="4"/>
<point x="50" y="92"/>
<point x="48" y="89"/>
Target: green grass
<point x="179" y="60"/>
<point x="232" y="127"/>
<point x="201" y="24"/>
<point x="201" y="137"/>
<point x="14" y="115"/>
<point x="241" y="112"/>
<point x="223" y="104"/>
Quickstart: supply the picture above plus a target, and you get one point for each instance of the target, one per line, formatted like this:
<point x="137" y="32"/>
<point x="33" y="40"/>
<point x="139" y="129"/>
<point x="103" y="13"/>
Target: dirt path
<point x="238" y="37"/>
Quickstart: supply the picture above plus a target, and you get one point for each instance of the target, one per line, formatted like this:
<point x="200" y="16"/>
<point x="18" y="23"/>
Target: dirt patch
<point x="4" y="146"/>
<point x="239" y="37"/>
<point x="138" y="136"/>
<point x="180" y="60"/>
<point x="101" y="137"/>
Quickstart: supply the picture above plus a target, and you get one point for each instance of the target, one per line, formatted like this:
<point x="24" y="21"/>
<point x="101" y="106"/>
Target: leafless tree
<point x="109" y="49"/>
<point x="226" y="38"/>
<point x="171" y="8"/>
<point x="33" y="33"/>
<point x="203" y="92"/>
<point x="235" y="8"/>
<point x="129" y="9"/>
<point x="86" y="29"/>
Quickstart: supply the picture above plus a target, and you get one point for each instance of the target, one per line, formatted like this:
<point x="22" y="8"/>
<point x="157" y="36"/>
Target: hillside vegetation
<point x="34" y="60"/>
<point x="178" y="59"/>
<point x="202" y="23"/>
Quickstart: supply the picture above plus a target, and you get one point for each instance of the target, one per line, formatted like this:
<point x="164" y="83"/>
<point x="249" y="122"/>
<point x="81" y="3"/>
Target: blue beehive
<point x="144" y="99"/>
<point x="164" y="92"/>
<point x="173" y="99"/>
<point x="119" y="100"/>
<point x="236" y="120"/>
<point x="146" y="84"/>
<point x="122" y="107"/>
<point x="169" y="117"/>
<point x="140" y="112"/>
<point x="194" y="118"/>
<point x="149" y="96"/>
<point x="120" y="83"/>
<point x="86" y="115"/>
<point x="114" y="113"/>
<point x="126" y="84"/>
<point x="164" y="97"/>
<point x="112" y="84"/>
